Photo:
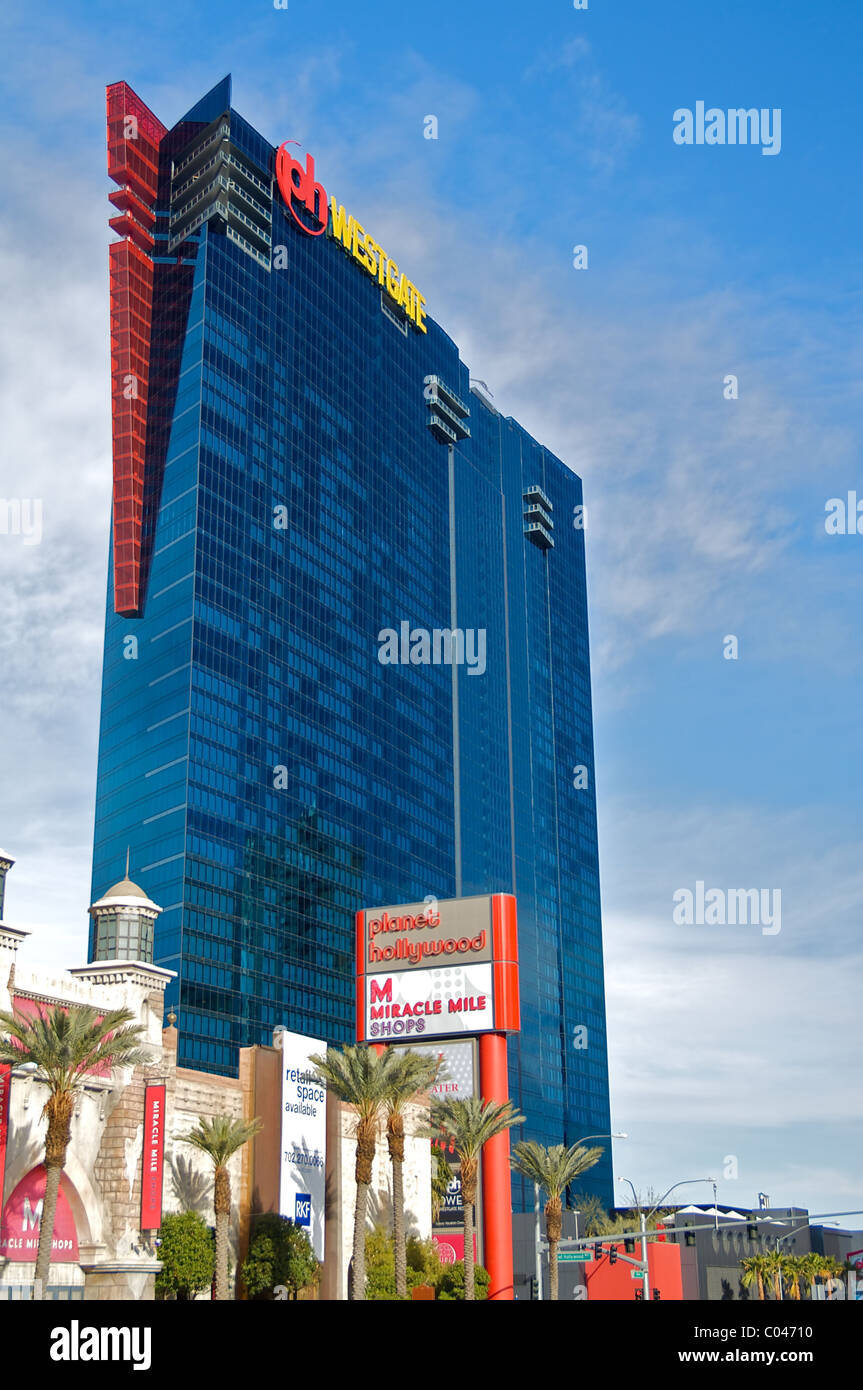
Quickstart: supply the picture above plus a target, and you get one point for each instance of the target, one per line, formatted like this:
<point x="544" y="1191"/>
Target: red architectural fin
<point x="134" y="136"/>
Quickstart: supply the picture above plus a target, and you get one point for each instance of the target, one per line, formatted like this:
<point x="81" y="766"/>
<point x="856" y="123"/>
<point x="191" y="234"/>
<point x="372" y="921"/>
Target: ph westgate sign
<point x="439" y="969"/>
<point x="306" y="199"/>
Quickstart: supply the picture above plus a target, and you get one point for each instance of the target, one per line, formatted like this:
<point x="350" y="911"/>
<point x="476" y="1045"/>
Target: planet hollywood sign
<point x="443" y="969"/>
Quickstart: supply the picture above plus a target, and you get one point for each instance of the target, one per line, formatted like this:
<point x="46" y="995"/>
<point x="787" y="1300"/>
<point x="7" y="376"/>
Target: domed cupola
<point x="124" y="920"/>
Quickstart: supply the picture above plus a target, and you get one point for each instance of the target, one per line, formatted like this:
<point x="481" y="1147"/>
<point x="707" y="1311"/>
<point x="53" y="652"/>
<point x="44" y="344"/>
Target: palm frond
<point x="67" y="1044"/>
<point x="471" y="1123"/>
<point x="221" y="1136"/>
<point x="553" y="1168"/>
<point x="356" y="1074"/>
<point x="407" y="1074"/>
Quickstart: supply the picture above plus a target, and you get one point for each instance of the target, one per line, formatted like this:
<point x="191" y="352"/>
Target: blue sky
<point x="705" y="516"/>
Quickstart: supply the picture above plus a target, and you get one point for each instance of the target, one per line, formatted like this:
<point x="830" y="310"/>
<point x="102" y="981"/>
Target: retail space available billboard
<point x="302" y="1183"/>
<point x="437" y="969"/>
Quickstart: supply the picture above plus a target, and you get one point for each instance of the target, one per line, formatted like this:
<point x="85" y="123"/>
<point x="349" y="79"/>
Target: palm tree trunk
<point x="46" y="1228"/>
<point x="222" y="1256"/>
<point x="222" y="1210"/>
<point x="760" y="1286"/>
<point x="358" y="1281"/>
<point x="469" y="1167"/>
<point x="554" y="1231"/>
<point x="469" y="1292"/>
<point x="59" y="1108"/>
<point x="363" y="1168"/>
<point x="399" y="1229"/>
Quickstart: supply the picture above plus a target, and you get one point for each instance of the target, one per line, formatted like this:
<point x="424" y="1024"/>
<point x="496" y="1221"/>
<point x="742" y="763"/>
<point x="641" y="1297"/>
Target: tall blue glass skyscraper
<point x="301" y="467"/>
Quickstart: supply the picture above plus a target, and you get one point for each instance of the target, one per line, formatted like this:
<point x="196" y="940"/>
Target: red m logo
<point x="385" y="994"/>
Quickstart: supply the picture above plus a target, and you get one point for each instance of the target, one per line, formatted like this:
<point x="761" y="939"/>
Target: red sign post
<point x="5" y="1100"/>
<point x="153" y="1158"/>
<point x="407" y="991"/>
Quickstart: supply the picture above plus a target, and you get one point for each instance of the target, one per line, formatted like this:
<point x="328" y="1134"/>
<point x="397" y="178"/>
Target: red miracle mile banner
<point x="153" y="1158"/>
<point x="5" y="1098"/>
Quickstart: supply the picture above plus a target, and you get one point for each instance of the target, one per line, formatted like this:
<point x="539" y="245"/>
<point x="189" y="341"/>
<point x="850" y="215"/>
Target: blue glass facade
<point x="270" y="775"/>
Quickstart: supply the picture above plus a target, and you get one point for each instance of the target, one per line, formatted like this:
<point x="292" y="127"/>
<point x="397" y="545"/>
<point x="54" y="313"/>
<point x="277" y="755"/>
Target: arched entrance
<point x="19" y="1231"/>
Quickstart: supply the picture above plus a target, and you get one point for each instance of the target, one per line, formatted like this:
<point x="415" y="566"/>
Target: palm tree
<point x="553" y="1169"/>
<point x="794" y="1269"/>
<point x="831" y="1269"/>
<point x="810" y="1269"/>
<point x="470" y="1124"/>
<point x="594" y="1217"/>
<point x="66" y="1046"/>
<point x="359" y="1077"/>
<point x="773" y="1264"/>
<point x="408" y="1074"/>
<point x="219" y="1138"/>
<point x="754" y="1271"/>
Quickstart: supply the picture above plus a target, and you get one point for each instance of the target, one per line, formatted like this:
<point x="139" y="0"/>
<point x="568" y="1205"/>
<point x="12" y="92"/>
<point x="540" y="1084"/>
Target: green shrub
<point x="280" y="1257"/>
<point x="451" y="1286"/>
<point x="380" y="1267"/>
<point x="424" y="1267"/>
<point x="188" y="1254"/>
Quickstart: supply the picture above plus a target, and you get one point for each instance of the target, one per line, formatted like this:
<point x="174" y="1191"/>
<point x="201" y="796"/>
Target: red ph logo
<point x="301" y="192"/>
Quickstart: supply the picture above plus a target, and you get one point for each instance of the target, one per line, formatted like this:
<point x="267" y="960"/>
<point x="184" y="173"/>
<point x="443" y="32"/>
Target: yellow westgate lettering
<point x="374" y="259"/>
<point x="343" y="225"/>
<point x="358" y="245"/>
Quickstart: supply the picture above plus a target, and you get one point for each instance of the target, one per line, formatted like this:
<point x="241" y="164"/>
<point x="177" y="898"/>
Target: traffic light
<point x="629" y="1247"/>
<point x="639" y="1295"/>
<point x="597" y="1251"/>
<point x="612" y="1255"/>
<point x="534" y="1289"/>
<point x="656" y="1294"/>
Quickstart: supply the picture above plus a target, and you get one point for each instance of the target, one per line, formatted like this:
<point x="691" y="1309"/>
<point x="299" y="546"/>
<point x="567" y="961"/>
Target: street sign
<point x="571" y="1256"/>
<point x="636" y="1274"/>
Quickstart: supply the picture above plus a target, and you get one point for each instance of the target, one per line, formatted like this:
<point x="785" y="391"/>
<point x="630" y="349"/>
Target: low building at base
<point x="130" y="1124"/>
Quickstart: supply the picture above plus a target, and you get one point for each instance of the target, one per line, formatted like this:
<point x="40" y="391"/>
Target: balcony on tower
<point x="447" y="412"/>
<point x="538" y="521"/>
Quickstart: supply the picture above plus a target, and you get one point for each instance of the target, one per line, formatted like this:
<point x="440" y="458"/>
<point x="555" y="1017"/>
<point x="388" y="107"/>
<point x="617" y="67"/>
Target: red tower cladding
<point x="134" y="136"/>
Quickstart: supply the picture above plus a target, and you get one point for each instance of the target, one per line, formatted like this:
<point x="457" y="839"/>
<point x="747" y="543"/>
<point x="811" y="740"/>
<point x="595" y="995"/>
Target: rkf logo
<point x="303" y="1210"/>
<point x="306" y="198"/>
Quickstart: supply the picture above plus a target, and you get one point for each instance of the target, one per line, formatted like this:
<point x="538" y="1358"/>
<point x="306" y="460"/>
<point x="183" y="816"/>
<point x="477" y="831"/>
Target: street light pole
<point x="644" y="1220"/>
<point x="645" y="1283"/>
